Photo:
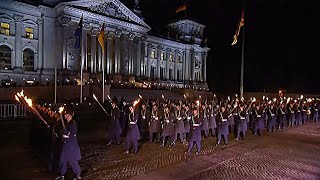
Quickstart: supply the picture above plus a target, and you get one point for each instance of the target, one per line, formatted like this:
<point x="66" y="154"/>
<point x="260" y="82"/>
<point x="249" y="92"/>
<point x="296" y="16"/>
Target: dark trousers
<point x="191" y="144"/>
<point x="74" y="165"/>
<point x="132" y="142"/>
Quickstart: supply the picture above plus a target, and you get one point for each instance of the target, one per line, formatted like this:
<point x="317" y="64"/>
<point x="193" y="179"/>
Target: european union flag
<point x="78" y="34"/>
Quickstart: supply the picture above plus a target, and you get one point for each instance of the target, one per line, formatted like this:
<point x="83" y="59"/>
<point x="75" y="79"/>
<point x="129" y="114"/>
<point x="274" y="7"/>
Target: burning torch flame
<point x="21" y="93"/>
<point x="185" y="96"/>
<point x="254" y="99"/>
<point x="198" y="102"/>
<point x="301" y="97"/>
<point x="140" y="96"/>
<point x="263" y="97"/>
<point x="162" y="96"/>
<point x="199" y="97"/>
<point x="242" y="98"/>
<point x="229" y="98"/>
<point x="17" y="98"/>
<point x="274" y="99"/>
<point x="61" y="109"/>
<point x="136" y="102"/>
<point x="29" y="101"/>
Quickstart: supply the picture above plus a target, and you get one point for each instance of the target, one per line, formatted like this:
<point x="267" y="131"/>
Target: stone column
<point x="167" y="63"/>
<point x="94" y="50"/>
<point x="65" y="26"/>
<point x="40" y="43"/>
<point x="159" y="48"/>
<point x="131" y="63"/>
<point x="138" y="59"/>
<point x="204" y="67"/>
<point x="175" y="58"/>
<point x="18" y="42"/>
<point x="149" y="46"/>
<point x="117" y="52"/>
<point x="192" y="66"/>
<point x="142" y="57"/>
<point x="184" y="66"/>
<point x="84" y="53"/>
<point x="110" y="64"/>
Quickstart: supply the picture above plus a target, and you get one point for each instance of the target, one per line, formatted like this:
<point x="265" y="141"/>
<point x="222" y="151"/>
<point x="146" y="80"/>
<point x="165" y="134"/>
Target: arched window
<point x="5" y="57"/>
<point x="28" y="60"/>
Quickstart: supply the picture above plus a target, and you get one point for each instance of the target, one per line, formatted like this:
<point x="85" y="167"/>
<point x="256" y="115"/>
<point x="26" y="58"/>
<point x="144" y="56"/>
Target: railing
<point x="12" y="111"/>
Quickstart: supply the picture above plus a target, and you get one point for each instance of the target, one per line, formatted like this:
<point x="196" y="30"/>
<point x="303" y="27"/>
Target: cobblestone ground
<point x="292" y="153"/>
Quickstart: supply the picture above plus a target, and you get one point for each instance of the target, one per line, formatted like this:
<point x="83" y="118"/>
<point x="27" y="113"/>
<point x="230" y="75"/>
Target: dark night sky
<point x="282" y="42"/>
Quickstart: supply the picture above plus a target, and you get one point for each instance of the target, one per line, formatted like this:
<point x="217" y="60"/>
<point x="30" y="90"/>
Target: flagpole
<point x="103" y="57"/>
<point x="242" y="62"/>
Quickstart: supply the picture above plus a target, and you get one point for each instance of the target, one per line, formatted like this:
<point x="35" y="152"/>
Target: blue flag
<point x="78" y="34"/>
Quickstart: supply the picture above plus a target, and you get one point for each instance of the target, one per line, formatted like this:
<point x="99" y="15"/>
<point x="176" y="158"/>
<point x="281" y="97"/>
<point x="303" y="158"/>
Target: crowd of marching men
<point x="166" y="121"/>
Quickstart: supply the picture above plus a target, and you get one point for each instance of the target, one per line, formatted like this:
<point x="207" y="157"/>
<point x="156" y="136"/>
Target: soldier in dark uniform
<point x="154" y="124"/>
<point x="282" y="116"/>
<point x="70" y="152"/>
<point x="298" y="114"/>
<point x="212" y="119"/>
<point x="241" y="123"/>
<point x="204" y="118"/>
<point x="124" y="116"/>
<point x="222" y="122"/>
<point x="315" y="112"/>
<point x="259" y="121"/>
<point x="114" y="129"/>
<point x="272" y="118"/>
<point x="178" y="125"/>
<point x="167" y="126"/>
<point x="144" y="119"/>
<point x="133" y="134"/>
<point x="195" y="132"/>
<point x="187" y="121"/>
<point x="304" y="113"/>
<point x="291" y="114"/>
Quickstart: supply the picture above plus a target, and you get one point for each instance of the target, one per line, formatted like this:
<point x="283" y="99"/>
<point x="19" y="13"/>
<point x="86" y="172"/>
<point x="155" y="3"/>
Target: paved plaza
<point x="292" y="153"/>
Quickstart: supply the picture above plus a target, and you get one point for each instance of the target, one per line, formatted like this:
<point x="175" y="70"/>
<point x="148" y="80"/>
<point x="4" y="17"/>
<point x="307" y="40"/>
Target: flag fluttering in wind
<point x="78" y="34"/>
<point x="181" y="8"/>
<point x="240" y="24"/>
<point x="101" y="38"/>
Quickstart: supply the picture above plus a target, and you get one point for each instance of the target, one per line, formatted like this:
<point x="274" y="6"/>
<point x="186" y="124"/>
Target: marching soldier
<point x="187" y="121"/>
<point x="144" y="119"/>
<point x="167" y="126"/>
<point x="272" y="118"/>
<point x="291" y="114"/>
<point x="282" y="116"/>
<point x="314" y="111"/>
<point x="259" y="122"/>
<point x="179" y="125"/>
<point x="124" y="116"/>
<point x="304" y="113"/>
<point x="223" y="126"/>
<point x="204" y="119"/>
<point x="241" y="123"/>
<point x="212" y="119"/>
<point x="133" y="134"/>
<point x="154" y="124"/>
<point x="114" y="129"/>
<point x="70" y="152"/>
<point x="195" y="132"/>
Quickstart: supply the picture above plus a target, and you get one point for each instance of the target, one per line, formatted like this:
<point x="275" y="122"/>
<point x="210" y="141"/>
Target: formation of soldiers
<point x="167" y="121"/>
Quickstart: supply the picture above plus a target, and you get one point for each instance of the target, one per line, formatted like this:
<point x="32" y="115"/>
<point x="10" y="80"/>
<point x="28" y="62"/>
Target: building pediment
<point x="108" y="8"/>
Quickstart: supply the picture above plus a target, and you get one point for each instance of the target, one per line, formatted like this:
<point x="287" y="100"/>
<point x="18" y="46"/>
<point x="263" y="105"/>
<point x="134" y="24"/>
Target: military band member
<point x="154" y="124"/>
<point x="133" y="134"/>
<point x="70" y="152"/>
<point x="115" y="129"/>
<point x="315" y="113"/>
<point x="195" y="136"/>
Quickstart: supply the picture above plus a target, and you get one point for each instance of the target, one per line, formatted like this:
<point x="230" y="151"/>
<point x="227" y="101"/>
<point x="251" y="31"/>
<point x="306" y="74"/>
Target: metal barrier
<point x="12" y="111"/>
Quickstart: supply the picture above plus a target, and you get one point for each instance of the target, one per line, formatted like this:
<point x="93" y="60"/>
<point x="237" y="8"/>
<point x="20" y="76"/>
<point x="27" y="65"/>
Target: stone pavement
<point x="292" y="153"/>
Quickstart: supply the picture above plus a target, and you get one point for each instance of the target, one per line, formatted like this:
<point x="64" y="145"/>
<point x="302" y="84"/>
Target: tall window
<point x="171" y="75"/>
<point x="5" y="57"/>
<point x="171" y="57"/>
<point x="153" y="54"/>
<point x="152" y="72"/>
<point x="179" y="59"/>
<point x="5" y="28"/>
<point x="28" y="60"/>
<point x="162" y="56"/>
<point x="162" y="73"/>
<point x="179" y="75"/>
<point x="145" y="52"/>
<point x="29" y="33"/>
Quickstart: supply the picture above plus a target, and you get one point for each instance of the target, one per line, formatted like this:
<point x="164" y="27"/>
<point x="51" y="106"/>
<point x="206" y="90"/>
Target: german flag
<point x="101" y="38"/>
<point x="240" y="24"/>
<point x="181" y="8"/>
